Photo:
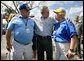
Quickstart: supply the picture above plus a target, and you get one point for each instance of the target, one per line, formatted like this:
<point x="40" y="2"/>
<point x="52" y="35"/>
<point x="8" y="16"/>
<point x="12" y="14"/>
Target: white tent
<point x="81" y="14"/>
<point x="81" y="17"/>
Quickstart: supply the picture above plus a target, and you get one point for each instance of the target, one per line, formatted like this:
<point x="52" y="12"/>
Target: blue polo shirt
<point x="64" y="31"/>
<point x="22" y="29"/>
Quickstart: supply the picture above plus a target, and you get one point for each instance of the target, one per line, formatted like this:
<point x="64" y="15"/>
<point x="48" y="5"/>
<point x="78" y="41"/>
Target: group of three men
<point x="24" y="29"/>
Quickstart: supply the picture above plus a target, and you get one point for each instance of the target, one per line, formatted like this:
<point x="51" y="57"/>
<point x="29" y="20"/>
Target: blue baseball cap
<point x="24" y="6"/>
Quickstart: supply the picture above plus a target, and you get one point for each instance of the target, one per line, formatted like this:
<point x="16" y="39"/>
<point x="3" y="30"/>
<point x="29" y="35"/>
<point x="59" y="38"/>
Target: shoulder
<point x="15" y="19"/>
<point x="52" y="19"/>
<point x="69" y="23"/>
<point x="31" y="21"/>
<point x="68" y="20"/>
<point x="37" y="19"/>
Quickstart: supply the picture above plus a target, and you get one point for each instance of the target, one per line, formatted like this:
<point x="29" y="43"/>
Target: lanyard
<point x="25" y="22"/>
<point x="26" y="27"/>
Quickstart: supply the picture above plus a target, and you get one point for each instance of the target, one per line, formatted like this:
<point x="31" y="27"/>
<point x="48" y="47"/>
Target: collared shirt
<point x="22" y="29"/>
<point x="64" y="31"/>
<point x="44" y="26"/>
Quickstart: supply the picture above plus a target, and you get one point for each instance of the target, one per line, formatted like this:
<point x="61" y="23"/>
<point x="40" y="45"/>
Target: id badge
<point x="27" y="30"/>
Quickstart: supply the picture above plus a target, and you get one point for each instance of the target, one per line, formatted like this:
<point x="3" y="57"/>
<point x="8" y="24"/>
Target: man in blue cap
<point x="22" y="28"/>
<point x="65" y="36"/>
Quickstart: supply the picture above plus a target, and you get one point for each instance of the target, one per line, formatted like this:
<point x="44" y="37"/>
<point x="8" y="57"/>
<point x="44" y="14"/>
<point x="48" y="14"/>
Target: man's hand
<point x="70" y="54"/>
<point x="73" y="44"/>
<point x="9" y="47"/>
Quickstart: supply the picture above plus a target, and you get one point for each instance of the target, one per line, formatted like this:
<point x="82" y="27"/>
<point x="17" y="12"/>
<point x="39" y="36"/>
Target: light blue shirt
<point x="22" y="29"/>
<point x="64" y="31"/>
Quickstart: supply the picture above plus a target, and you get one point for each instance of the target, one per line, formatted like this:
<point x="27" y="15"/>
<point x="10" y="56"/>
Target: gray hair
<point x="43" y="8"/>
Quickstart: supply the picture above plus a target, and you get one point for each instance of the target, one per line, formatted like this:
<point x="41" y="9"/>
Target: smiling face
<point x="59" y="16"/>
<point x="45" y="12"/>
<point x="25" y="13"/>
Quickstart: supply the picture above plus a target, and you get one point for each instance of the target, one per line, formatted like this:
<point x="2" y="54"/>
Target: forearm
<point x="8" y="37"/>
<point x="73" y="42"/>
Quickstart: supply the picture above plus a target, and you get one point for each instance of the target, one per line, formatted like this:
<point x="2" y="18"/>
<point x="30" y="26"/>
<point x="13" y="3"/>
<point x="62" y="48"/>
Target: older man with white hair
<point x="43" y="30"/>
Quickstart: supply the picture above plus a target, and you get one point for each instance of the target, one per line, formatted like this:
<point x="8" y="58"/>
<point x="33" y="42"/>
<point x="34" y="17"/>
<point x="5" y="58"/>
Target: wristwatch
<point x="72" y="50"/>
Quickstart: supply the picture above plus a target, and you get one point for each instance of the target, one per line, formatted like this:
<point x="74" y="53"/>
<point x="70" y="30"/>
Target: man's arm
<point x="10" y="28"/>
<point x="73" y="39"/>
<point x="73" y="42"/>
<point x="8" y="40"/>
<point x="73" y="34"/>
<point x="73" y="45"/>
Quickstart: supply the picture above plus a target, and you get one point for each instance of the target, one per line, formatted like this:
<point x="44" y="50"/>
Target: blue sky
<point x="72" y="8"/>
<point x="67" y="5"/>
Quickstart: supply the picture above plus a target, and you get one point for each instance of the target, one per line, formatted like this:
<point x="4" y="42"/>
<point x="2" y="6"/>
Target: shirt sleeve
<point x="71" y="29"/>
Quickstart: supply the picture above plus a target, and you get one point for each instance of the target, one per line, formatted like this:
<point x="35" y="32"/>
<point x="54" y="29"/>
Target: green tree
<point x="10" y="10"/>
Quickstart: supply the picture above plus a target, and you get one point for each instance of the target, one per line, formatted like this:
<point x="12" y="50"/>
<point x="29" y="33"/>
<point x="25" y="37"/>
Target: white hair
<point x="43" y="7"/>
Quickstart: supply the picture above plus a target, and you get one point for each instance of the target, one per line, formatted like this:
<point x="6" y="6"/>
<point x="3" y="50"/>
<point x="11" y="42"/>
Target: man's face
<point x="25" y="13"/>
<point x="45" y="13"/>
<point x="60" y="16"/>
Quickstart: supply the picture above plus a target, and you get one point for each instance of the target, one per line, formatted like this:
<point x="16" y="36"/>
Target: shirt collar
<point x="20" y="16"/>
<point x="60" y="21"/>
<point x="43" y="17"/>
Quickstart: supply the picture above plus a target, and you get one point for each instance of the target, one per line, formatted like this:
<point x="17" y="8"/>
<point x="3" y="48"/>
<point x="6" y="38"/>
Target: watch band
<point x="72" y="50"/>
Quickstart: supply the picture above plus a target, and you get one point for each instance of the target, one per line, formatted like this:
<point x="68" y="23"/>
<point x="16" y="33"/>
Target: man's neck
<point x="60" y="19"/>
<point x="25" y="17"/>
<point x="44" y="17"/>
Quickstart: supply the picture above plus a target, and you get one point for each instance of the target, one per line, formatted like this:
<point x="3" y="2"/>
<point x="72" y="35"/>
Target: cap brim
<point x="56" y="12"/>
<point x="29" y="9"/>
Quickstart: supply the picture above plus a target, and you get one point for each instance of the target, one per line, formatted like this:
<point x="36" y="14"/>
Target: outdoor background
<point x="73" y="9"/>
